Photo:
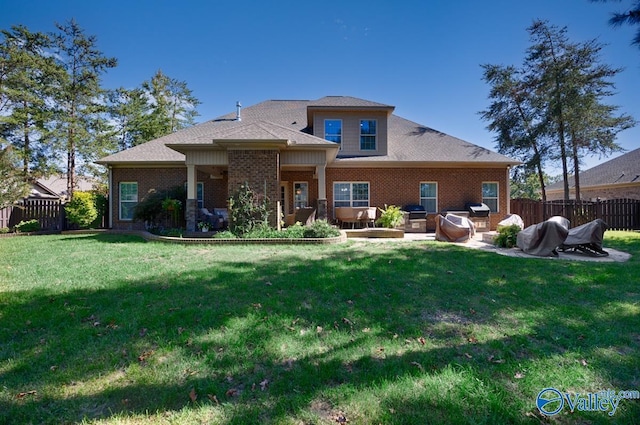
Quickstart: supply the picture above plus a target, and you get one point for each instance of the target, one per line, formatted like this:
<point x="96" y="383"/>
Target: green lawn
<point x="111" y="329"/>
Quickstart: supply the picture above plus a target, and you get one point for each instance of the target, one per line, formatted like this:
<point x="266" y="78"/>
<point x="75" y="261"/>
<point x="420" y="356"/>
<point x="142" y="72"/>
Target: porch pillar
<point x="192" y="200"/>
<point x="322" y="192"/>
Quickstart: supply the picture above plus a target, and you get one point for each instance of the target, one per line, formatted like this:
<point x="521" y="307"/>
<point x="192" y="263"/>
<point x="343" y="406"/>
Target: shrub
<point x="28" y="226"/>
<point x="150" y="208"/>
<point x="391" y="216"/>
<point x="4" y="230"/>
<point x="321" y="229"/>
<point x="101" y="203"/>
<point x="81" y="210"/>
<point x="225" y="234"/>
<point x="507" y="236"/>
<point x="247" y="210"/>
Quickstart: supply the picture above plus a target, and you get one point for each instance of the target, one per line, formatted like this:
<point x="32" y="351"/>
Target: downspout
<point x="508" y="194"/>
<point x="112" y="207"/>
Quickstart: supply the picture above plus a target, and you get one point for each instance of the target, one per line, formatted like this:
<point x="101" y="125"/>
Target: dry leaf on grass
<point x="192" y="395"/>
<point x="213" y="398"/>
<point x="26" y="393"/>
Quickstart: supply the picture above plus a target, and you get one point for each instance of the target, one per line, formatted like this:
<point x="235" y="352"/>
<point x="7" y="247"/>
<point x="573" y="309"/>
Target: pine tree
<point x="80" y="105"/>
<point x="27" y="85"/>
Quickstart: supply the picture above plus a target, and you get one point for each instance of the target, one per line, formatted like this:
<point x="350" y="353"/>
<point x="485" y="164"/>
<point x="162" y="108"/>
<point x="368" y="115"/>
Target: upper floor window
<point x="368" y="131"/>
<point x="333" y="131"/>
<point x="128" y="199"/>
<point x="490" y="195"/>
<point x="429" y="196"/>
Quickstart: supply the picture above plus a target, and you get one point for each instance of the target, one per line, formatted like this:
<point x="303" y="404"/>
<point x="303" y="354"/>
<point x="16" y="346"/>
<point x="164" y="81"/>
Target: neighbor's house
<point x="326" y="153"/>
<point x="618" y="178"/>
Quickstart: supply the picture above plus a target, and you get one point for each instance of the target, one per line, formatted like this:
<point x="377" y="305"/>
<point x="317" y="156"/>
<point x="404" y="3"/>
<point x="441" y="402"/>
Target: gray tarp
<point x="587" y="238"/>
<point x="544" y="238"/>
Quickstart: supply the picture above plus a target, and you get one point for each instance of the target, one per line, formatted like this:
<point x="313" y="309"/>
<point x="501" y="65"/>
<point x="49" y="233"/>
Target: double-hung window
<point x="368" y="132"/>
<point x="351" y="194"/>
<point x="128" y="199"/>
<point x="490" y="195"/>
<point x="333" y="131"/>
<point x="429" y="197"/>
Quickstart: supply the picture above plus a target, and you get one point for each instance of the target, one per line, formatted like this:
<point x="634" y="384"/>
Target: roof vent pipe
<point x="238" y="108"/>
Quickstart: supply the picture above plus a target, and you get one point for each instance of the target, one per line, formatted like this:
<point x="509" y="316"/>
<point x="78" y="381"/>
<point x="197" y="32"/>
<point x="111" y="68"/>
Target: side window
<point x="490" y="195"/>
<point x="301" y="194"/>
<point x="128" y="199"/>
<point x="429" y="197"/>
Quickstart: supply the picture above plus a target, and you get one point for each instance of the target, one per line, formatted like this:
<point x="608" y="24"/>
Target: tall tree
<point x="173" y="106"/>
<point x="80" y="104"/>
<point x="129" y="110"/>
<point x="27" y="76"/>
<point x="566" y="85"/>
<point x="516" y="119"/>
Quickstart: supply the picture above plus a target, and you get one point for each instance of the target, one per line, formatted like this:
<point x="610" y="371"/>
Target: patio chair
<point x="454" y="228"/>
<point x="213" y="219"/>
<point x="543" y="239"/>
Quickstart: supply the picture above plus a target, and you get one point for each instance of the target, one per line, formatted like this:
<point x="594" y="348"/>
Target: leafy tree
<point x="527" y="185"/>
<point x="129" y="110"/>
<point x="27" y="76"/>
<point x="80" y="117"/>
<point x="14" y="186"/>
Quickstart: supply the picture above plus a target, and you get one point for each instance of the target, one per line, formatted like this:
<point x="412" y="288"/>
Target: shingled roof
<point x="624" y="169"/>
<point x="408" y="142"/>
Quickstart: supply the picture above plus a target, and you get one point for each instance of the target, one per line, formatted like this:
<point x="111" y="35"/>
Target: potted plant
<point x="171" y="204"/>
<point x="203" y="225"/>
<point x="390" y="217"/>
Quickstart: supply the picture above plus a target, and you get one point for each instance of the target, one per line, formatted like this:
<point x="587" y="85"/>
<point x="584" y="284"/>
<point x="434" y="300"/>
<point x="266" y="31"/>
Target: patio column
<point x="192" y="200"/>
<point x="322" y="192"/>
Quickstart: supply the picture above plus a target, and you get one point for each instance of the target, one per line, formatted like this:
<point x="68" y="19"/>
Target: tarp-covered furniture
<point x="453" y="228"/>
<point x="543" y="239"/>
<point x="510" y="220"/>
<point x="586" y="239"/>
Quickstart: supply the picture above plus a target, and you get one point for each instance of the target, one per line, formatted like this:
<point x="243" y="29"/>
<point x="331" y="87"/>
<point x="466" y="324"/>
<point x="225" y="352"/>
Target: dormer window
<point x="368" y="135"/>
<point x="333" y="131"/>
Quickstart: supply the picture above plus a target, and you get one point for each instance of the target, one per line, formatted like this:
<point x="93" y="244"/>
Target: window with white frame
<point x="128" y="199"/>
<point x="429" y="196"/>
<point x="368" y="131"/>
<point x="300" y="194"/>
<point x="333" y="131"/>
<point x="490" y="195"/>
<point x="351" y="194"/>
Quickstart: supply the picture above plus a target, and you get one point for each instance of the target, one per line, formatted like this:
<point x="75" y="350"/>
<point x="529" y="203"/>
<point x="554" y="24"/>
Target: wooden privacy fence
<point x="619" y="214"/>
<point x="48" y="212"/>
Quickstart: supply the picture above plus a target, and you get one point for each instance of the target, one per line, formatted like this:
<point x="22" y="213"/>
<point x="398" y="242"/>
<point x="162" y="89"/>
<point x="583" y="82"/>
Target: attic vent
<point x="238" y="109"/>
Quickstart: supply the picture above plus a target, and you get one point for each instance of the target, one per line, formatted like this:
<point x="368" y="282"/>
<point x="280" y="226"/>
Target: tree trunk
<point x="576" y="167"/>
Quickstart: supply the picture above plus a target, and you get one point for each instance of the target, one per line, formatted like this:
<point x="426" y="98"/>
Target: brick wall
<point x="260" y="168"/>
<point x="401" y="186"/>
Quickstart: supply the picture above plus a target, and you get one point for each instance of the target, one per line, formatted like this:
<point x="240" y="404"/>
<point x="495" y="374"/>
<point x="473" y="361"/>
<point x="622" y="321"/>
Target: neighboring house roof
<point x="56" y="185"/>
<point x="408" y="142"/>
<point x="623" y="170"/>
<point x="41" y="191"/>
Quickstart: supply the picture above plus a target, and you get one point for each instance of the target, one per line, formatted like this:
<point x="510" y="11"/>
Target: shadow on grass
<point x="432" y="333"/>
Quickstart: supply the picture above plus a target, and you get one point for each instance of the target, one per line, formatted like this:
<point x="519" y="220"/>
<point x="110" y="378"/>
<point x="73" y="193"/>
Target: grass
<point x="109" y="329"/>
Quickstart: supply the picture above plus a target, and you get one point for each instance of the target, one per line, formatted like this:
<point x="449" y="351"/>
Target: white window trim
<point x="436" y="197"/>
<point x="375" y="136"/>
<point x="120" y="199"/>
<point x="351" y="183"/>
<point x="497" y="197"/>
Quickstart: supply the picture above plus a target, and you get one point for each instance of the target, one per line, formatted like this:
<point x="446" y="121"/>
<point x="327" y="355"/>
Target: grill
<point x="416" y="212"/>
<point x="477" y="210"/>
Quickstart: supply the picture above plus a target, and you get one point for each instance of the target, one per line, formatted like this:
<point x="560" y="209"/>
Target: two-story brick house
<point x="331" y="152"/>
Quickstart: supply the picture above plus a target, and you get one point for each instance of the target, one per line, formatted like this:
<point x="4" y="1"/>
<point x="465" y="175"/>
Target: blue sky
<point x="422" y="56"/>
